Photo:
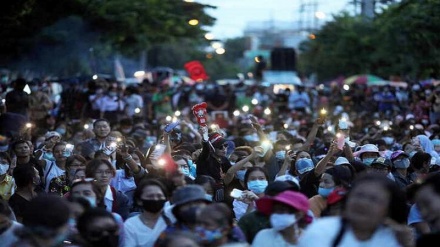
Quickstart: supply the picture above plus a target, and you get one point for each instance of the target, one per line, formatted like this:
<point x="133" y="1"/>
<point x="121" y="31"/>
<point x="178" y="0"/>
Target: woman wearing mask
<point x="55" y="179"/>
<point x="143" y="230"/>
<point x="374" y="214"/>
<point x="7" y="184"/>
<point x="333" y="178"/>
<point x="288" y="211"/>
<point x="215" y="226"/>
<point x="367" y="153"/>
<point x="208" y="183"/>
<point x="256" y="181"/>
<point x="103" y="172"/>
<point x="400" y="161"/>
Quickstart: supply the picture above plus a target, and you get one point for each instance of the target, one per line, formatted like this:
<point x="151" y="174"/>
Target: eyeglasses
<point x="224" y="146"/>
<point x="82" y="180"/>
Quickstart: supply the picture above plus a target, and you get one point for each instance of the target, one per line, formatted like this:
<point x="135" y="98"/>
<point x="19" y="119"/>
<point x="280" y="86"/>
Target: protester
<point x="8" y="225"/>
<point x="98" y="228"/>
<point x="7" y="183"/>
<point x="374" y="214"/>
<point x="142" y="230"/>
<point x="287" y="210"/>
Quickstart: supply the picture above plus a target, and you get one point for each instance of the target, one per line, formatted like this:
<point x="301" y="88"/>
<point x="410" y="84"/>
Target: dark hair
<point x="93" y="165"/>
<point x="61" y="143"/>
<point x="252" y="169"/>
<point x="397" y="209"/>
<point x="23" y="175"/>
<point x="276" y="187"/>
<point x="220" y="212"/>
<point x="100" y="120"/>
<point x="95" y="188"/>
<point x="89" y="216"/>
<point x="433" y="180"/>
<point x="419" y="159"/>
<point x="48" y="211"/>
<point x="203" y="179"/>
<point x="74" y="157"/>
<point x="81" y="201"/>
<point x="279" y="143"/>
<point x="19" y="141"/>
<point x="148" y="182"/>
<point x="170" y="238"/>
<point x="5" y="156"/>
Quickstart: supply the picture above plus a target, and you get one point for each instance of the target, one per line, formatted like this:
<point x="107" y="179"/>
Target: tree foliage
<point x="400" y="41"/>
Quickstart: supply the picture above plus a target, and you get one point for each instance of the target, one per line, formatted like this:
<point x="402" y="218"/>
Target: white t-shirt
<point x="137" y="234"/>
<point x="270" y="237"/>
<point x="322" y="232"/>
<point x="121" y="183"/>
<point x="239" y="208"/>
<point x="51" y="171"/>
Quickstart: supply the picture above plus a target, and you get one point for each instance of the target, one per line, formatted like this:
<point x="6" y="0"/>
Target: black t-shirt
<point x="309" y="183"/>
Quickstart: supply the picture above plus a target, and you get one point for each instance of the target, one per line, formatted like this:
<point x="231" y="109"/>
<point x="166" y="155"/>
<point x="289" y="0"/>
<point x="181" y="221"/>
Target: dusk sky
<point x="233" y="15"/>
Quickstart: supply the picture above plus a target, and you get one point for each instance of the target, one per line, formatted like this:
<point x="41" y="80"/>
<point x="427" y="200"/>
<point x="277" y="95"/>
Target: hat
<point x="304" y="165"/>
<point x="341" y="174"/>
<point x="367" y="148"/>
<point x="216" y="139"/>
<point x="397" y="153"/>
<point x="287" y="178"/>
<point x="51" y="134"/>
<point x="341" y="160"/>
<point x="188" y="193"/>
<point x="336" y="196"/>
<point x="293" y="199"/>
<point x="381" y="161"/>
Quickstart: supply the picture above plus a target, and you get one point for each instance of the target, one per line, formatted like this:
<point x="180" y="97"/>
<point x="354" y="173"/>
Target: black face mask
<point x="111" y="240"/>
<point x="188" y="216"/>
<point x="153" y="206"/>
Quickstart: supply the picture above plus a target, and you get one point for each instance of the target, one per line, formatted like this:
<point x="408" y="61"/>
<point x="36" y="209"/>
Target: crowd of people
<point x="161" y="165"/>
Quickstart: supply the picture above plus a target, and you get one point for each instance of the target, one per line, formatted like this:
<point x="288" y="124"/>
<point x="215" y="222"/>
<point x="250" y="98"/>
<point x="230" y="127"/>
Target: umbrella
<point x="365" y="79"/>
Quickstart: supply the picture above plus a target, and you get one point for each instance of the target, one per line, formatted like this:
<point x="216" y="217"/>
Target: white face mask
<point x="282" y="221"/>
<point x="3" y="168"/>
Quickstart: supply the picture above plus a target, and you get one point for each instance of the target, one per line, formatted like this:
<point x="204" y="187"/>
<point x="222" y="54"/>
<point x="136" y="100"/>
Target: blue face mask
<point x="209" y="236"/>
<point x="257" y="186"/>
<point x="208" y="197"/>
<point x="368" y="161"/>
<point x="240" y="174"/>
<point x="48" y="156"/>
<point x="324" y="192"/>
<point x="402" y="164"/>
<point x="61" y="131"/>
<point x="251" y="138"/>
<point x="280" y="155"/>
<point x="185" y="171"/>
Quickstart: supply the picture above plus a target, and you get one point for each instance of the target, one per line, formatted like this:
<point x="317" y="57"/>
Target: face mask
<point x="61" y="131"/>
<point x="282" y="221"/>
<point x="92" y="200"/>
<point x="185" y="171"/>
<point x="240" y="174"/>
<point x="153" y="206"/>
<point x="388" y="140"/>
<point x="324" y="192"/>
<point x="257" y="186"/>
<point x="188" y="216"/>
<point x="402" y="164"/>
<point x="209" y="236"/>
<point x="208" y="197"/>
<point x="251" y="138"/>
<point x="3" y="169"/>
<point x="232" y="163"/>
<point x="368" y="161"/>
<point x="48" y="156"/>
<point x="34" y="88"/>
<point x="72" y="223"/>
<point x="105" y="241"/>
<point x="112" y="94"/>
<point x="126" y="131"/>
<point x="280" y="155"/>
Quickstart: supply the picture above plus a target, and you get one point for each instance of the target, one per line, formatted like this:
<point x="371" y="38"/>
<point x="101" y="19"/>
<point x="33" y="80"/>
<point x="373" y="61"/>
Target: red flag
<point x="196" y="71"/>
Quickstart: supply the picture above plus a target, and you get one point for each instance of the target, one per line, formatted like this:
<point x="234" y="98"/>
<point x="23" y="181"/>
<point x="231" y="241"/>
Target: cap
<point x="341" y="160"/>
<point x="304" y="165"/>
<point x="287" y="178"/>
<point x="188" y="193"/>
<point x="398" y="153"/>
<point x="216" y="139"/>
<point x="293" y="199"/>
<point x="51" y="134"/>
<point x="367" y="148"/>
<point x="381" y="161"/>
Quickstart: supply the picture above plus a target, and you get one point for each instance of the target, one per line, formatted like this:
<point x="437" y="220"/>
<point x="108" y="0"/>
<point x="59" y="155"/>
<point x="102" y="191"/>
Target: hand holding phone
<point x="236" y="193"/>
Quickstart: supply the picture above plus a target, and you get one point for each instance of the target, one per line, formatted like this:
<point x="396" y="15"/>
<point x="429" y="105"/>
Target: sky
<point x="234" y="15"/>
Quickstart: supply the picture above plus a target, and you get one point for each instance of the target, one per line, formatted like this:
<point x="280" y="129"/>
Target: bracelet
<point x="129" y="157"/>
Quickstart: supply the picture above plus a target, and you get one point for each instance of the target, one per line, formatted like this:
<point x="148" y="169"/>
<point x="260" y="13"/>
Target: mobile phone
<point x="171" y="126"/>
<point x="236" y="193"/>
